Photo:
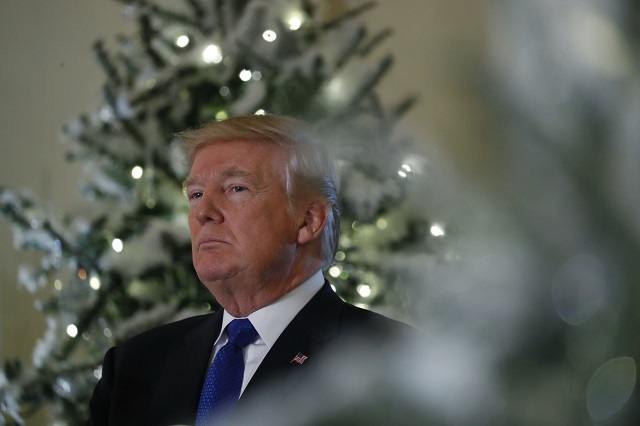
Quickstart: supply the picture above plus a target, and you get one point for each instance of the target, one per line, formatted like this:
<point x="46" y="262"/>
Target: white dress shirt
<point x="270" y="322"/>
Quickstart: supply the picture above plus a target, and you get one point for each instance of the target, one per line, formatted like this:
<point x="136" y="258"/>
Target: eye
<point x="238" y="188"/>
<point x="193" y="195"/>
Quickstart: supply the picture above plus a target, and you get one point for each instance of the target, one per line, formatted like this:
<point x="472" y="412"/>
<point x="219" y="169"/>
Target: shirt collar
<point x="271" y="320"/>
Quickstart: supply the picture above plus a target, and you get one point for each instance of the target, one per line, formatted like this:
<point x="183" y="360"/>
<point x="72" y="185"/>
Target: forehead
<point x="252" y="157"/>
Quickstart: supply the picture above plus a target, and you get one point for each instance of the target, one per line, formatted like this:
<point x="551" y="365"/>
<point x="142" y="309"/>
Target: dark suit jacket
<point x="155" y="378"/>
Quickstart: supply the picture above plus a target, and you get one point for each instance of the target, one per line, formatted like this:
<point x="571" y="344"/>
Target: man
<point x="264" y="221"/>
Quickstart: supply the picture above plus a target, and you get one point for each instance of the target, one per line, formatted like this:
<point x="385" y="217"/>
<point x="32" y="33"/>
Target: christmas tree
<point x="126" y="266"/>
<point x="529" y="308"/>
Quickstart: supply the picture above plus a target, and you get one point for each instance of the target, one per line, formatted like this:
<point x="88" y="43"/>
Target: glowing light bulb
<point x="245" y="75"/>
<point x="364" y="290"/>
<point x="335" y="271"/>
<point x="117" y="245"/>
<point x="212" y="54"/>
<point x="72" y="330"/>
<point x="269" y="35"/>
<point x="437" y="230"/>
<point x="260" y="112"/>
<point x="137" y="172"/>
<point x="182" y="41"/>
<point x="94" y="283"/>
<point x="295" y="23"/>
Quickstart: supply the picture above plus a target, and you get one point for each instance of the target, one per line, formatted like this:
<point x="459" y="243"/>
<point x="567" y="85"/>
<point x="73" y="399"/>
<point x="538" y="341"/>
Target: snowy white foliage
<point x="46" y="343"/>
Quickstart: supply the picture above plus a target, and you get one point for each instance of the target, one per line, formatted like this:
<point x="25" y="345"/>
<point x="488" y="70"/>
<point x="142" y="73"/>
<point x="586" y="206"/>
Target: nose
<point x="207" y="209"/>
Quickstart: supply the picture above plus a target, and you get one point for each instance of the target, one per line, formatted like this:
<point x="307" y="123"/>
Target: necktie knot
<point x="241" y="332"/>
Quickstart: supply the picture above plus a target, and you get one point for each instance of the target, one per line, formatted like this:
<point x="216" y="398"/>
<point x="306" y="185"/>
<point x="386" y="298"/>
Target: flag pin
<point x="300" y="358"/>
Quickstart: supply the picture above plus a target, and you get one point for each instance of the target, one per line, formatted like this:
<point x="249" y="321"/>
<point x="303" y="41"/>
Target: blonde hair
<point x="310" y="169"/>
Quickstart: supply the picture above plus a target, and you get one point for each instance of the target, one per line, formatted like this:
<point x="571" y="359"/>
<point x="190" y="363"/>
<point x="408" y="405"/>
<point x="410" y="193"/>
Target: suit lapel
<point x="179" y="384"/>
<point x="309" y="332"/>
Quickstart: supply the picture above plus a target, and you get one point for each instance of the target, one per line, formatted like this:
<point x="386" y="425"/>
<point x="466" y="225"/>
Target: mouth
<point x="210" y="242"/>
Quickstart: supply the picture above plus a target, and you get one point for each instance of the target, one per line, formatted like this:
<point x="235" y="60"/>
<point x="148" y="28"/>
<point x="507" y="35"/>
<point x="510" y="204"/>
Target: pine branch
<point x="162" y="87"/>
<point x="372" y="80"/>
<point x="106" y="63"/>
<point x="399" y="110"/>
<point x="151" y="8"/>
<point x="147" y="33"/>
<point x="348" y="15"/>
<point x="376" y="41"/>
<point x="197" y="11"/>
<point x="128" y="125"/>
<point x="13" y="206"/>
<point x="350" y="48"/>
<point x="248" y="52"/>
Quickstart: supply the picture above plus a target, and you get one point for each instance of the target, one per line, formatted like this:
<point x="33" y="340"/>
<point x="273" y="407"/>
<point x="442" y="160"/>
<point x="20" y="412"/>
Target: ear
<point x="315" y="217"/>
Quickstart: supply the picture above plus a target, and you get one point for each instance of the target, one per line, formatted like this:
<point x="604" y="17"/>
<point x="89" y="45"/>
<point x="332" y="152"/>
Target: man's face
<point x="239" y="218"/>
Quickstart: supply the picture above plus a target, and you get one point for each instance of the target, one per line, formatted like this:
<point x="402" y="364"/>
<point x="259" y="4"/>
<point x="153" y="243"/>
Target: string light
<point x="57" y="284"/>
<point x="72" y="330"/>
<point x="404" y="171"/>
<point x="335" y="271"/>
<point x="221" y="115"/>
<point x="182" y="41"/>
<point x="94" y="283"/>
<point x="117" y="245"/>
<point x="437" y="230"/>
<point x="256" y="75"/>
<point x="245" y="75"/>
<point x="224" y="91"/>
<point x="382" y="223"/>
<point x="260" y="112"/>
<point x="364" y="290"/>
<point x="340" y="256"/>
<point x="295" y="20"/>
<point x="137" y="172"/>
<point x="269" y="35"/>
<point x="212" y="54"/>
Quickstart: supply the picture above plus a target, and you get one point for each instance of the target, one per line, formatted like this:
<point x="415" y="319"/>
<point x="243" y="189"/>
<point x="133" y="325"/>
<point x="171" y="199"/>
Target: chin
<point x="213" y="274"/>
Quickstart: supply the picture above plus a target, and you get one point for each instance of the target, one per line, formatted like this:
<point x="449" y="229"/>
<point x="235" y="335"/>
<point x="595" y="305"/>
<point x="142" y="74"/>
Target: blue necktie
<point x="222" y="386"/>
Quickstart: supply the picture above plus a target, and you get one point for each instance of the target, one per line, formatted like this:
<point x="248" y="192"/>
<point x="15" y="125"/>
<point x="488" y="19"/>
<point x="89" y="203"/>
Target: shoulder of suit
<point x="167" y="332"/>
<point x="359" y="320"/>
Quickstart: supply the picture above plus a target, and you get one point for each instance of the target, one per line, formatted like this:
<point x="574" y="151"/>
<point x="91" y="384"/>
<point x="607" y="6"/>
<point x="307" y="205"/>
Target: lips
<point x="208" y="242"/>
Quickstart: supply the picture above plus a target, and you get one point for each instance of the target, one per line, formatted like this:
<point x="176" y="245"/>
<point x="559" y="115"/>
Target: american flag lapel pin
<point x="300" y="358"/>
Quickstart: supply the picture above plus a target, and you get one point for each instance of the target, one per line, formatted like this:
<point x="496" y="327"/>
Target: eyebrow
<point x="226" y="173"/>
